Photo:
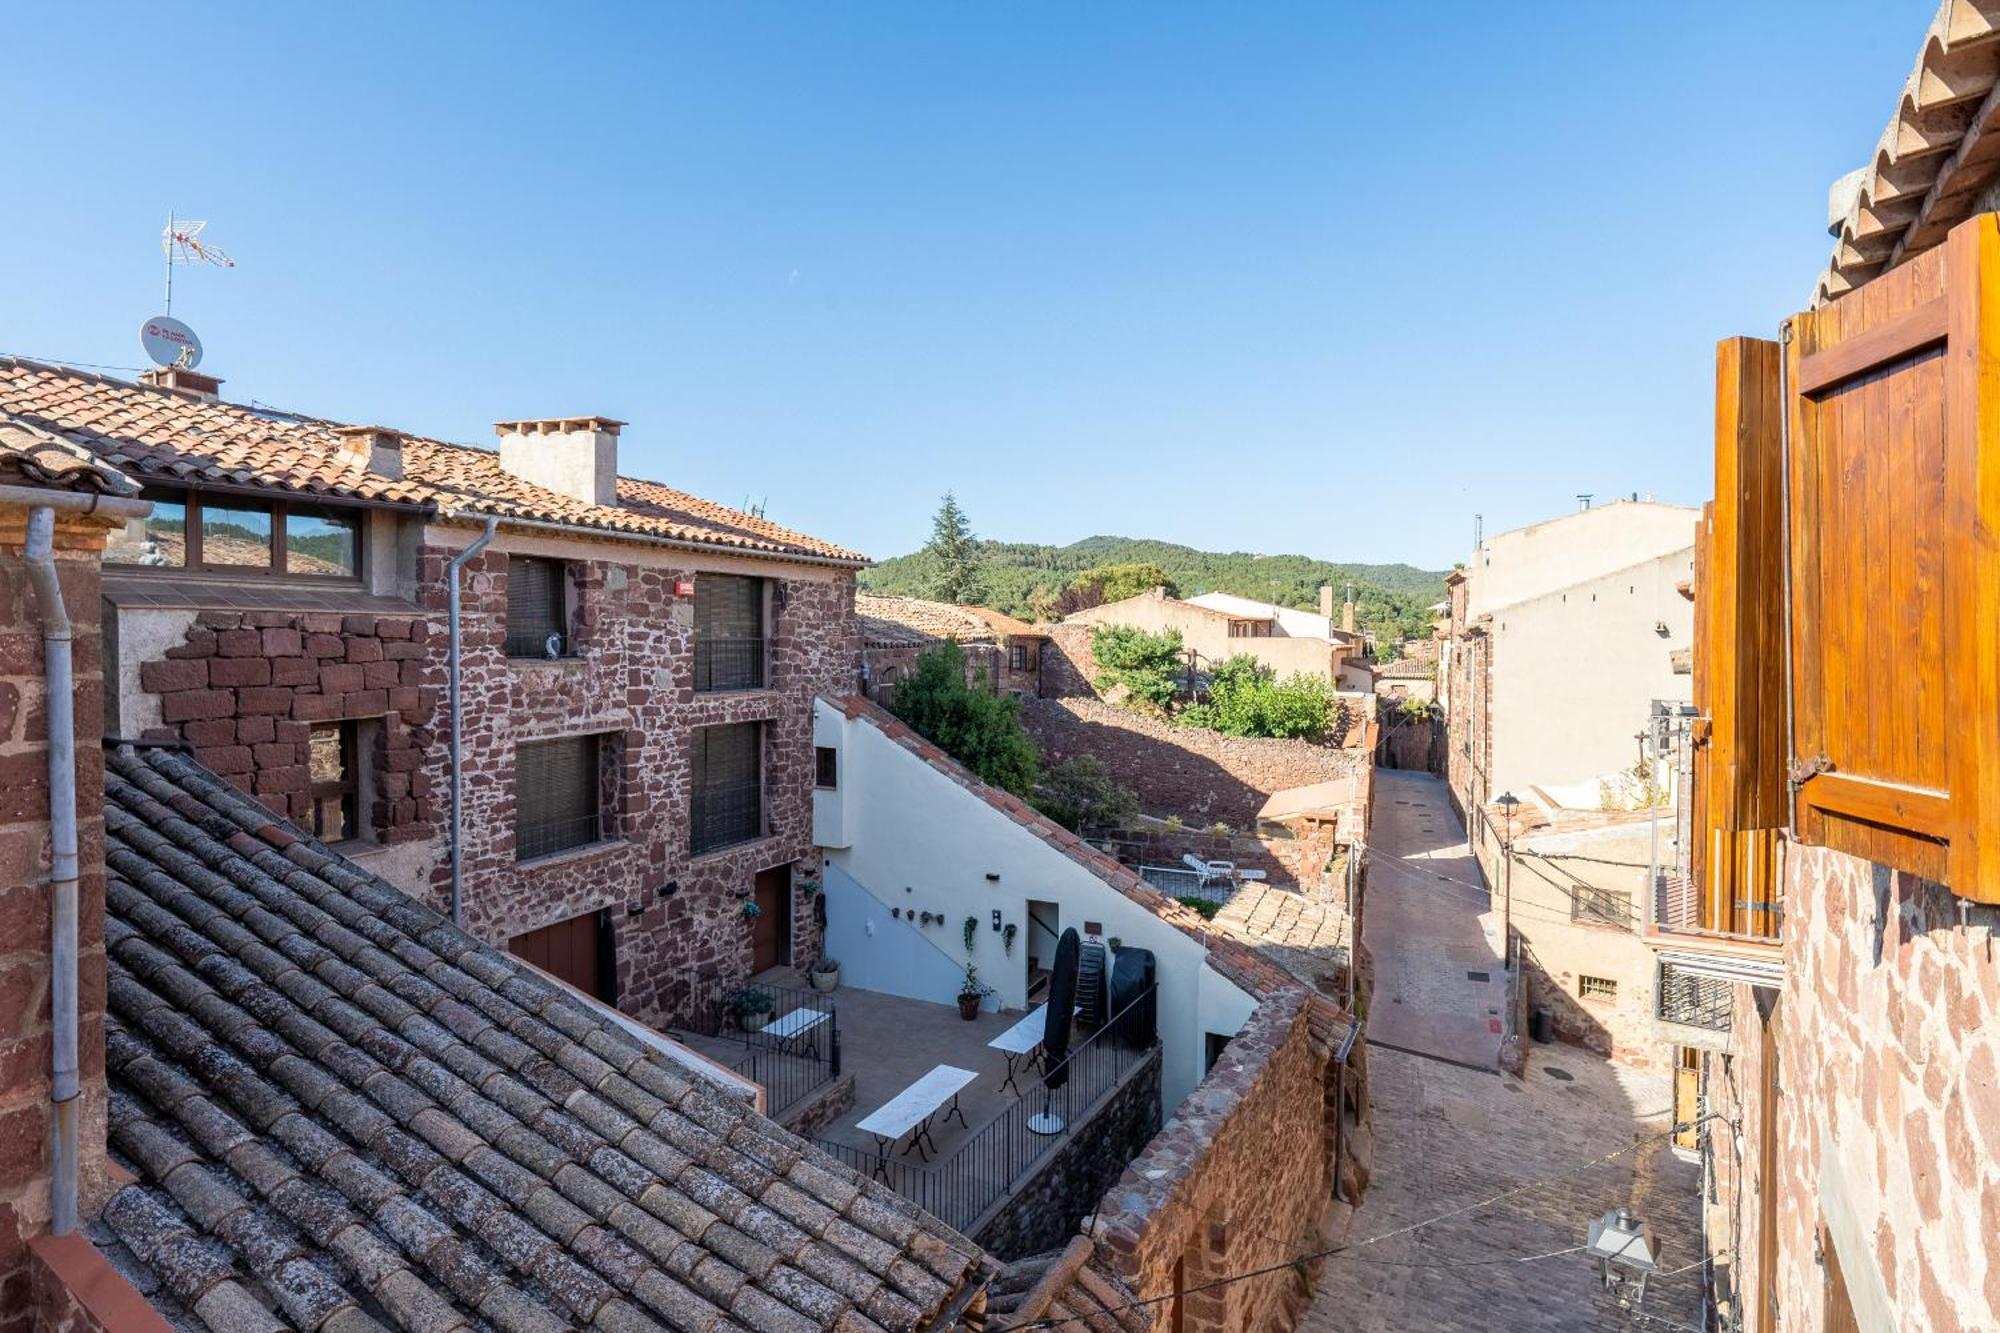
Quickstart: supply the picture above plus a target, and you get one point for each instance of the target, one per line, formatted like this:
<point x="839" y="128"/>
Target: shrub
<point x="977" y="728"/>
<point x="1207" y="908"/>
<point x="1246" y="699"/>
<point x="1080" y="792"/>
<point x="1143" y="664"/>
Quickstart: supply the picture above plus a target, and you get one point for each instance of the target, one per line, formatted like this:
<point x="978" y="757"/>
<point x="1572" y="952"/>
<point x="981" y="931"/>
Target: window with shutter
<point x="537" y="619"/>
<point x="556" y="798"/>
<point x="729" y="646"/>
<point x="728" y="797"/>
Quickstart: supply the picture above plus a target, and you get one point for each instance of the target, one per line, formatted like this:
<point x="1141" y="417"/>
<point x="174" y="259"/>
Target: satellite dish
<point x="170" y="343"/>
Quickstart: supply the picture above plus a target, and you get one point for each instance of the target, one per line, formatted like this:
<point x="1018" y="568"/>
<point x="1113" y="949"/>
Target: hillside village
<point x="462" y="884"/>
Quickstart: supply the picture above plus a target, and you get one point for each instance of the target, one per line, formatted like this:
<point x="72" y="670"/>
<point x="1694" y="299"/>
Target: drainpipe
<point x="1792" y="783"/>
<point x="39" y="556"/>
<point x="457" y="717"/>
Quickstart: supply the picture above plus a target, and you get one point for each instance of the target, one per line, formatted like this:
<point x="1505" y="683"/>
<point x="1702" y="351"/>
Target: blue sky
<point x="1324" y="278"/>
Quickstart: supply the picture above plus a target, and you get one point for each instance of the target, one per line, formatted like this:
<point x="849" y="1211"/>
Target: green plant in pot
<point x="970" y="993"/>
<point x="824" y="974"/>
<point x="1007" y="935"/>
<point x="751" y="1007"/>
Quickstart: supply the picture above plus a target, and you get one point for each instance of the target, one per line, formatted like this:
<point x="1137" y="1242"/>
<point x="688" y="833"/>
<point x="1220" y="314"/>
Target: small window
<point x="1017" y="657"/>
<point x="236" y="536"/>
<point x="322" y="543"/>
<point x="333" y="770"/>
<point x="1610" y="907"/>
<point x="158" y="540"/>
<point x="728" y="794"/>
<point x="1597" y="988"/>
<point x="556" y="796"/>
<point x="826" y="762"/>
<point x="1213" y="1045"/>
<point x="537" y="604"/>
<point x="729" y="646"/>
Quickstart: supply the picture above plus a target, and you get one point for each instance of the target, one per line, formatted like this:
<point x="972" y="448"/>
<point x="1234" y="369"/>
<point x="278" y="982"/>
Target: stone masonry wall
<point x="677" y="917"/>
<point x="1068" y="665"/>
<point x="1200" y="776"/>
<point x="1043" y="1211"/>
<point x="1889" y="1030"/>
<point x="1204" y="1201"/>
<point x="25" y="1043"/>
<point x="245" y="687"/>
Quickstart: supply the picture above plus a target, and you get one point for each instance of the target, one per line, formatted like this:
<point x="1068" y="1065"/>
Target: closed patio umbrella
<point x="1055" y="1032"/>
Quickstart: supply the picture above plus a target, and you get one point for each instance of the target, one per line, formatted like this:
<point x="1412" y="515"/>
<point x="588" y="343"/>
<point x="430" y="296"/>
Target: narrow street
<point x="1512" y="1169"/>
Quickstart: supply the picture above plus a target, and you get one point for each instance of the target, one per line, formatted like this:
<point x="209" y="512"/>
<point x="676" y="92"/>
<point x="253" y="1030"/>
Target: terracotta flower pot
<point x="825" y="981"/>
<point x="968" y="1007"/>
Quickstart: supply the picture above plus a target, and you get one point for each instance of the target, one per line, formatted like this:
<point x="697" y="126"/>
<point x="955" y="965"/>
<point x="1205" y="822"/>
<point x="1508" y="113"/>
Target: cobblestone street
<point x="1575" y="1138"/>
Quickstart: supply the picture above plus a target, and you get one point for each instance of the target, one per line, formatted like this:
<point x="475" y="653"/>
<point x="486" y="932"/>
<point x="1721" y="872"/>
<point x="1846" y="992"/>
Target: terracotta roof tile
<point x="912" y="622"/>
<point x="148" y="434"/>
<point x="362" y="1158"/>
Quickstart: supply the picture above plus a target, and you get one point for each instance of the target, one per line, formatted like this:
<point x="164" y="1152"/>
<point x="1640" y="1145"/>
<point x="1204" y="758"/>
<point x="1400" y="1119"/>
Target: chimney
<point x="179" y="378"/>
<point x="1326" y="601"/>
<point x="1347" y="611"/>
<point x="376" y="448"/>
<point x="573" y="456"/>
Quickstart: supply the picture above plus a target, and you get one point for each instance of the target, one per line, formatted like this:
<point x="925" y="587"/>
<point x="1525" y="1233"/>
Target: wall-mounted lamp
<point x="992" y="877"/>
<point x="996" y="918"/>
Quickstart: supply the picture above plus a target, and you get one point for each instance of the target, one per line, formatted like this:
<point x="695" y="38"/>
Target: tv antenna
<point x="181" y="243"/>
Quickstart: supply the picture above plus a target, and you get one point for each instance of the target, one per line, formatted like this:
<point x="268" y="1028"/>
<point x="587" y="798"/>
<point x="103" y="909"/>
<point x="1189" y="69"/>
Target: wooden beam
<point x="1892" y="340"/>
<point x="1885" y="803"/>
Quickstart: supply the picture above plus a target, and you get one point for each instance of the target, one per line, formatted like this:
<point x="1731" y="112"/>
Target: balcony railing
<point x="535" y="646"/>
<point x="545" y="837"/>
<point x="729" y="664"/>
<point x="723" y="815"/>
<point x="1692" y="999"/>
<point x="790" y="1069"/>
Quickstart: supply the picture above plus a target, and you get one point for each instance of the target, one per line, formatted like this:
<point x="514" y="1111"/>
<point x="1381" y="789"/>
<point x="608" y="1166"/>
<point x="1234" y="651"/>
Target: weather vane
<point x="181" y="243"/>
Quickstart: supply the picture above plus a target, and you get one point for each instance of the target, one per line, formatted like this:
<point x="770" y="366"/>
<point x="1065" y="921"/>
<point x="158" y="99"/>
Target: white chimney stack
<point x="376" y="448"/>
<point x="573" y="456"/>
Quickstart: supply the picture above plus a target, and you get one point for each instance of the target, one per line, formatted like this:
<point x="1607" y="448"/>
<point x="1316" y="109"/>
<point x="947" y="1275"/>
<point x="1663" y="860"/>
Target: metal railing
<point x="724" y="815"/>
<point x="981" y="1171"/>
<point x="534" y="838"/>
<point x="536" y="646"/>
<point x="1696" y="1001"/>
<point x="729" y="664"/>
<point x="1180" y="882"/>
<point x="789" y="1068"/>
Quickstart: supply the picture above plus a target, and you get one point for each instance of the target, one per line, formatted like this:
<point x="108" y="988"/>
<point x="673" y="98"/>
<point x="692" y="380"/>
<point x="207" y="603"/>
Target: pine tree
<point x="958" y="578"/>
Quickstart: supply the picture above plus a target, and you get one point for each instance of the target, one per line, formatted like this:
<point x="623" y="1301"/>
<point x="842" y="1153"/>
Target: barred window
<point x="729" y="646"/>
<point x="556" y="797"/>
<point x="1590" y="904"/>
<point x="826" y="767"/>
<point x="537" y="605"/>
<point x="333" y="770"/>
<point x="1597" y="988"/>
<point x="728" y="795"/>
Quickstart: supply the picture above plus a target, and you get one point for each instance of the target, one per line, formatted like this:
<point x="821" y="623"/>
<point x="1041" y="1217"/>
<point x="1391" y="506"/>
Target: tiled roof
<point x="30" y="453"/>
<point x="345" y="1114"/>
<point x="1406" y="668"/>
<point x="1004" y="624"/>
<point x="160" y="435"/>
<point x="1069" y="1289"/>
<point x="1937" y="159"/>
<point x="905" y="622"/>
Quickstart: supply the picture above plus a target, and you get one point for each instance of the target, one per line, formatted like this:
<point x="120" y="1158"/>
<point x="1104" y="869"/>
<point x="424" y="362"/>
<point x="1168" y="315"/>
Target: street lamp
<point x="1626" y="1255"/>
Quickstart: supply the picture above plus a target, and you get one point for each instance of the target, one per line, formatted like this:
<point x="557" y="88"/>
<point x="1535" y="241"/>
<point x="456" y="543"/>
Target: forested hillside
<point x="1024" y="579"/>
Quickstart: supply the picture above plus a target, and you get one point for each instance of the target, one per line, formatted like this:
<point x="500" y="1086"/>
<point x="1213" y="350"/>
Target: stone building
<point x="1217" y="627"/>
<point x="1843" y="875"/>
<point x="637" y="667"/>
<point x="1002" y="654"/>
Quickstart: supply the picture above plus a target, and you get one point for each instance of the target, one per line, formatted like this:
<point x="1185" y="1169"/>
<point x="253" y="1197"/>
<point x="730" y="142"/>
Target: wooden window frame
<point x="194" y="501"/>
<point x="1017" y="657"/>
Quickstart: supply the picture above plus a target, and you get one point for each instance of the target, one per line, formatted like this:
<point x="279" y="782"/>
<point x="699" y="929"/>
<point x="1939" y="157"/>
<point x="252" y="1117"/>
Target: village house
<point x="1215" y="627"/>
<point x="1002" y="654"/>
<point x="636" y="666"/>
<point x="1844" y="871"/>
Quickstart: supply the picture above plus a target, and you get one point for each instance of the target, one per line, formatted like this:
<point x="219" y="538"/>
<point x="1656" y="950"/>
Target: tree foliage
<point x="1246" y="699"/>
<point x="1106" y="583"/>
<point x="1392" y="601"/>
<point x="958" y="577"/>
<point x="975" y="727"/>
<point x="1080" y="793"/>
<point x="1145" y="665"/>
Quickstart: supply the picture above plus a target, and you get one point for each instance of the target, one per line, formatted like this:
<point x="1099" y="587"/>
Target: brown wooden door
<point x="771" y="932"/>
<point x="1687" y="1097"/>
<point x="568" y="950"/>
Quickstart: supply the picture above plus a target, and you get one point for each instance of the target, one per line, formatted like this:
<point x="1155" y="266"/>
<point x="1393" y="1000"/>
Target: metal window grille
<point x="333" y="772"/>
<point x="536" y="622"/>
<point x="556" y="803"/>
<point x="729" y="644"/>
<point x="728" y="798"/>
<point x="1695" y="1001"/>
<point x="1597" y="988"/>
<point x="1588" y="903"/>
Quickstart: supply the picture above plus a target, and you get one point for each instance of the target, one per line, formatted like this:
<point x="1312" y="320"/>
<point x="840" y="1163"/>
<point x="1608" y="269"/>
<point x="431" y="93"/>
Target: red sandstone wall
<point x="245" y="687"/>
<point x="1199" y="775"/>
<point x="1203" y="1202"/>
<point x="631" y="678"/>
<point x="1890" y="1043"/>
<point x="24" y="893"/>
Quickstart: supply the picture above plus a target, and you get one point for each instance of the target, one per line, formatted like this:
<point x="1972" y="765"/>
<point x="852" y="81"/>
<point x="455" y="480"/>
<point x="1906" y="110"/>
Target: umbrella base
<point x="1046" y="1123"/>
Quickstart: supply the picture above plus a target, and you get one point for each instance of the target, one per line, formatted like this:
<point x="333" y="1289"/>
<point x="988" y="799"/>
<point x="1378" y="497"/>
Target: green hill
<point x="1392" y="601"/>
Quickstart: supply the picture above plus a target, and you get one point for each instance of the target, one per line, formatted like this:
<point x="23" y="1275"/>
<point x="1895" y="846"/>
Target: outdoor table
<point x="797" y="1031"/>
<point x="1021" y="1044"/>
<point x="911" y="1111"/>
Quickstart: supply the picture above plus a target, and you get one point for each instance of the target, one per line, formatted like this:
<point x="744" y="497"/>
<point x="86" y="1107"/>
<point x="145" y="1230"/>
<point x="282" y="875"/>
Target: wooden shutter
<point x="1893" y="586"/>
<point x="556" y="801"/>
